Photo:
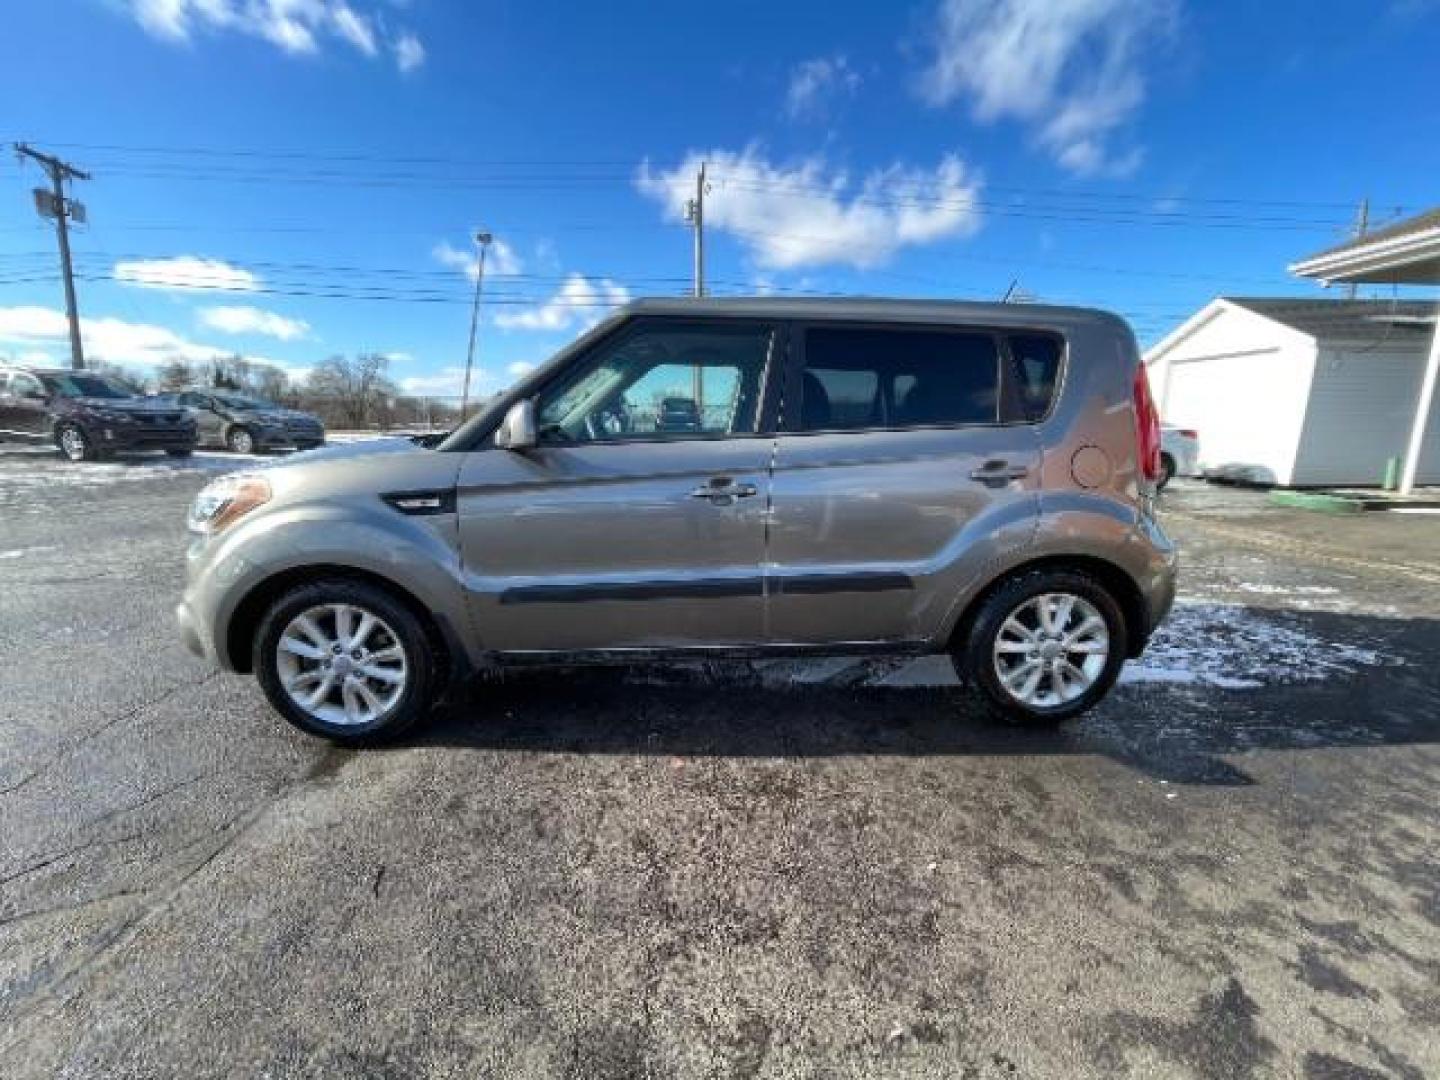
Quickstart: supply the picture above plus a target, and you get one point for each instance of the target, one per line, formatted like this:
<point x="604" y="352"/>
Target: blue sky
<point x="318" y="165"/>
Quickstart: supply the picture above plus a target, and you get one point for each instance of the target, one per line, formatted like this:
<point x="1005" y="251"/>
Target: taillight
<point x="1147" y="427"/>
<point x="1189" y="433"/>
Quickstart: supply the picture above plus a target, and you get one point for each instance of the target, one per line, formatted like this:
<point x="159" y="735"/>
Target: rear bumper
<point x="1159" y="582"/>
<point x="277" y="440"/>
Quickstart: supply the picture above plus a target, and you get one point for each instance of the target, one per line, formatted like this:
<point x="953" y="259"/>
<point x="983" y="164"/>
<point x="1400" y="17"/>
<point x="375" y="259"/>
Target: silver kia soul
<point x="740" y="478"/>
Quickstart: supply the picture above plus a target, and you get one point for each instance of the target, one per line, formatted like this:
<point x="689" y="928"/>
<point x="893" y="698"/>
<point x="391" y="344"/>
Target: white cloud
<point x="807" y="214"/>
<point x="1070" y="68"/>
<point x="815" y="82"/>
<point x="354" y="28"/>
<point x="111" y="339"/>
<point x="579" y="302"/>
<point x="252" y="320"/>
<point x="448" y="382"/>
<point x="186" y="272"/>
<point x="409" y="53"/>
<point x="500" y="261"/>
<point x="297" y="27"/>
<point x="520" y="367"/>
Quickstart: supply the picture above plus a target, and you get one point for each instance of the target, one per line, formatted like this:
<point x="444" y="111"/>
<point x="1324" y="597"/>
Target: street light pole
<point x="482" y="241"/>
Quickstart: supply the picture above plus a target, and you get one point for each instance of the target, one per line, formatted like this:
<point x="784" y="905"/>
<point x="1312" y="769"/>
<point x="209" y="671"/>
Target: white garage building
<point x="1299" y="392"/>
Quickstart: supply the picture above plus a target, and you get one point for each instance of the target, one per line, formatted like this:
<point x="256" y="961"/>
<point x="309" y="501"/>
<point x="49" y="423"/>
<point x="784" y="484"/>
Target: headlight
<point x="223" y="502"/>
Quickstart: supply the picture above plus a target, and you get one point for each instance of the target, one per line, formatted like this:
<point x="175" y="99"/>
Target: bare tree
<point x="175" y="375"/>
<point x="359" y="390"/>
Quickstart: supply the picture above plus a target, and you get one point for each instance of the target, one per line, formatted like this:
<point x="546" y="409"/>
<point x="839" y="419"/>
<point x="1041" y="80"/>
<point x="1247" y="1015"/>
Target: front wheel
<point x="1045" y="646"/>
<point x="75" y="444"/>
<point x="346" y="661"/>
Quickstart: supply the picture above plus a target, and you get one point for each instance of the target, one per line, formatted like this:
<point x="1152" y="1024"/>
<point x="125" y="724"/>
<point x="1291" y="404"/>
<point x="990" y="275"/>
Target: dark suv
<point x="87" y="415"/>
<point x="248" y="424"/>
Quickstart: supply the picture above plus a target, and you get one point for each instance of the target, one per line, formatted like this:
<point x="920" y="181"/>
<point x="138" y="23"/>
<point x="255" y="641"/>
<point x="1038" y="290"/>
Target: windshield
<point x="91" y="386"/>
<point x="240" y="401"/>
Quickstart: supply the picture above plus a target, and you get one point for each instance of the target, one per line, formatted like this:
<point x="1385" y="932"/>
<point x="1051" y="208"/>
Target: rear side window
<point x="1037" y="370"/>
<point x="856" y="378"/>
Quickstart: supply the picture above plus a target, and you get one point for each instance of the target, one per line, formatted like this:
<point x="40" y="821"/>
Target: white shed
<point x="1298" y="393"/>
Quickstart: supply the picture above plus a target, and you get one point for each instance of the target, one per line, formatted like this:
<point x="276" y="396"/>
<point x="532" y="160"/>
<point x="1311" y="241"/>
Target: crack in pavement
<point x="119" y="718"/>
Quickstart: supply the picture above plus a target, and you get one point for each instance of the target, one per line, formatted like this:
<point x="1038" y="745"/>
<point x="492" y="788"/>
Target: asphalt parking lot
<point x="830" y="869"/>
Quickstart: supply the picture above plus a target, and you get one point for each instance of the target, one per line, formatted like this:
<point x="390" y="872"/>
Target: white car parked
<point x="1179" y="453"/>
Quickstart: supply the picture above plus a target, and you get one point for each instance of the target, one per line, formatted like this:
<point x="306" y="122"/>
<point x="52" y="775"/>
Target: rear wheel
<point x="75" y="444"/>
<point x="239" y="440"/>
<point x="346" y="661"/>
<point x="1167" y="471"/>
<point x="1045" y="646"/>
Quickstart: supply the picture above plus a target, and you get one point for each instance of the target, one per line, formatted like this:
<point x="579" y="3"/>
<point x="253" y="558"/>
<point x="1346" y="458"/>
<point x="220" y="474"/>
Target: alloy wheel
<point x="72" y="443"/>
<point x="1051" y="649"/>
<point x="342" y="665"/>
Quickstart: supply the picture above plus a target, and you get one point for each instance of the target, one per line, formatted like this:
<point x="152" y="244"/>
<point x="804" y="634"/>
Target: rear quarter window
<point x="1036" y="365"/>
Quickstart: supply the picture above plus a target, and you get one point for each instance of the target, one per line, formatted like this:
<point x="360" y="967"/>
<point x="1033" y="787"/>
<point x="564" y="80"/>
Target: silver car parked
<point x="853" y="476"/>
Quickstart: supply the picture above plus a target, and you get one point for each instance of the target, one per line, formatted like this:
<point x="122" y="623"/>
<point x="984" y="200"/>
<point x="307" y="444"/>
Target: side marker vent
<point x="422" y="503"/>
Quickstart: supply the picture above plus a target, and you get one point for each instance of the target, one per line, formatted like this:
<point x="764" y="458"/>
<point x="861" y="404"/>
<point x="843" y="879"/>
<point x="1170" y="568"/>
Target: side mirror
<point x="517" y="430"/>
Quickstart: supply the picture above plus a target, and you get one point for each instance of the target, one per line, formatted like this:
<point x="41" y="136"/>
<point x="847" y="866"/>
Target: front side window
<point x="26" y="386"/>
<point x="857" y="378"/>
<point x="660" y="381"/>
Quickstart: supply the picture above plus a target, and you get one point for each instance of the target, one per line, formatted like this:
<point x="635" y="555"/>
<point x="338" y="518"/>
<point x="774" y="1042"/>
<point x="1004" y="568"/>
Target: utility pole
<point x="53" y="203"/>
<point x="1362" y="226"/>
<point x="482" y="241"/>
<point x="695" y="214"/>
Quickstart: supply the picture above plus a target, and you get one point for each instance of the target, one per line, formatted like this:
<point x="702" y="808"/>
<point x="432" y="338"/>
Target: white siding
<point x="1361" y="406"/>
<point x="1241" y="381"/>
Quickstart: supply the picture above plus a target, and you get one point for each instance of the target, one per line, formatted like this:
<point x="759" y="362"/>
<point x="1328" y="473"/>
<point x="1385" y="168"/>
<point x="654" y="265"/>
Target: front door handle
<point x="999" y="473"/>
<point x="722" y="491"/>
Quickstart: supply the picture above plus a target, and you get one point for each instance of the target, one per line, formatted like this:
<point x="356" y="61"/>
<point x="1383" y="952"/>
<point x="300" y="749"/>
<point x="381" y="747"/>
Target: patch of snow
<point x="1236" y="648"/>
<point x="20" y="553"/>
<point x="1286" y="590"/>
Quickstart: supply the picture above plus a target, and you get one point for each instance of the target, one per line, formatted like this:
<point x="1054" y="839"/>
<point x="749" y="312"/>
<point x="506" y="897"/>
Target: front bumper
<point x="124" y="437"/>
<point x="190" y="635"/>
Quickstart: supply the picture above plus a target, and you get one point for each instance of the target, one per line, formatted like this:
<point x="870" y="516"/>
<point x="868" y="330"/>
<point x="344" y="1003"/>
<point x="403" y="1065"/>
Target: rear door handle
<point x="999" y="473"/>
<point x="722" y="491"/>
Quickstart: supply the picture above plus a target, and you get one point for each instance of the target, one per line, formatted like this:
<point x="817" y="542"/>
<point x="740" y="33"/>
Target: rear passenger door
<point x="207" y="423"/>
<point x="905" y="464"/>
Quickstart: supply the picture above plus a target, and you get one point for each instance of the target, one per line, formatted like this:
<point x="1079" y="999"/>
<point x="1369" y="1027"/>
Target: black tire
<point x="75" y="445"/>
<point x="422" y="660"/>
<point x="975" y="657"/>
<point x="1167" y="471"/>
<point x="179" y="453"/>
<point x="240" y="440"/>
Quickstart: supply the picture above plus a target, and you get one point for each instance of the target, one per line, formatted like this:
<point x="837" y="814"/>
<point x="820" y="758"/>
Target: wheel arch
<point x="1116" y="580"/>
<point x="244" y="622"/>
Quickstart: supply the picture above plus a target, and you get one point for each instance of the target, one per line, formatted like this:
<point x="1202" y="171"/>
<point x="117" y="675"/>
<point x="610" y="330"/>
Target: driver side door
<point x="622" y="529"/>
<point x="25" y="408"/>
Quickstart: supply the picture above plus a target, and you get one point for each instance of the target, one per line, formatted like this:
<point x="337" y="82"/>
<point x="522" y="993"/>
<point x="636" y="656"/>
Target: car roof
<point x="54" y="370"/>
<point x="877" y="309"/>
